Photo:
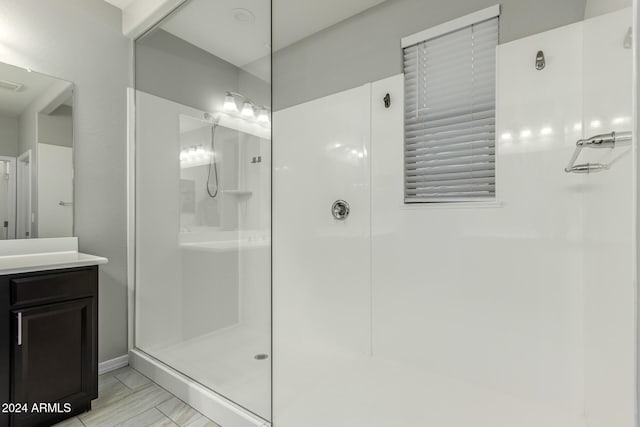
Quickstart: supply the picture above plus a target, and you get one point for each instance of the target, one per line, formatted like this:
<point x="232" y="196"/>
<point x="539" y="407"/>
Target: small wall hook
<point x="540" y="61"/>
<point x="387" y="101"/>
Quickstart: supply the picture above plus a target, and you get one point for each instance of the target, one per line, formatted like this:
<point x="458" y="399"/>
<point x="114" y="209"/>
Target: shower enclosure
<point x="202" y="207"/>
<point x="363" y="309"/>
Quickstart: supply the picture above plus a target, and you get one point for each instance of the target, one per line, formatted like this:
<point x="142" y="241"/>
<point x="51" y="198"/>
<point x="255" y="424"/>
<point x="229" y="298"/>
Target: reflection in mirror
<point x="36" y="155"/>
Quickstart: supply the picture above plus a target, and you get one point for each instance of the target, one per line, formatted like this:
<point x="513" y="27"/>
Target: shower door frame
<point x="636" y="194"/>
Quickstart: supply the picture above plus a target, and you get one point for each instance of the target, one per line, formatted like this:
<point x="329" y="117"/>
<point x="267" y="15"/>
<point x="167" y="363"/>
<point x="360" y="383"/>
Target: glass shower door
<point x="203" y="199"/>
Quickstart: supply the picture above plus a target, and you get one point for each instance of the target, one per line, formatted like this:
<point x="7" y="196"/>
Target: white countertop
<point x="23" y="256"/>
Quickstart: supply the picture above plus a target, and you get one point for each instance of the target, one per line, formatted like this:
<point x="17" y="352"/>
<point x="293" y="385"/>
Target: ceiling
<point x="120" y="4"/>
<point x="12" y="104"/>
<point x="218" y="27"/>
<point x="294" y="20"/>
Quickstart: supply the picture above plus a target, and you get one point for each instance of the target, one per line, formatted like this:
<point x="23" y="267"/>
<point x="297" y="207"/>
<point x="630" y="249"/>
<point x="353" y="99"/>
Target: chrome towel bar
<point x="605" y="140"/>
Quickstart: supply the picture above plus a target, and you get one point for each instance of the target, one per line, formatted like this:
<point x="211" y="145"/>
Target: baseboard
<point x="113" y="364"/>
<point x="212" y="405"/>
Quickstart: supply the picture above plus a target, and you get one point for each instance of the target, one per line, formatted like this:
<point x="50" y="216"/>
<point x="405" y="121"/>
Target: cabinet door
<point x="54" y="349"/>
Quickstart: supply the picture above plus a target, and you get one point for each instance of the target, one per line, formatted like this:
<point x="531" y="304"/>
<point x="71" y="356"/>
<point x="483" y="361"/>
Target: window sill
<point x="453" y="205"/>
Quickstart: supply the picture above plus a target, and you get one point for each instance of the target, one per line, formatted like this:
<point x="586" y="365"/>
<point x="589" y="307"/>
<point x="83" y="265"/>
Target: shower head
<point x="211" y="118"/>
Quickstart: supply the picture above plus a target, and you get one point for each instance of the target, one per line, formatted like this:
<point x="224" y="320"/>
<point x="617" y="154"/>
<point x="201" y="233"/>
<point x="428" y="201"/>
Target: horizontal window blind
<point x="449" y="142"/>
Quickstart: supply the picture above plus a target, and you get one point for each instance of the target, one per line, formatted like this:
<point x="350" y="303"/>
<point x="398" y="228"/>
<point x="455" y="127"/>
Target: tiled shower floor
<point x="126" y="398"/>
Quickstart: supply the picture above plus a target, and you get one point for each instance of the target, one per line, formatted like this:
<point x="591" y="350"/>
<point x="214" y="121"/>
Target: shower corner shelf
<point x="238" y="193"/>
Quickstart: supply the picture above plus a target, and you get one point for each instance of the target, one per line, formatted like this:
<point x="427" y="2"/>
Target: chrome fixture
<point x="212" y="163"/>
<point x="340" y="210"/>
<point x="249" y="108"/>
<point x="540" y="61"/>
<point x="387" y="101"/>
<point x="605" y="140"/>
<point x="61" y="203"/>
<point x="19" y="332"/>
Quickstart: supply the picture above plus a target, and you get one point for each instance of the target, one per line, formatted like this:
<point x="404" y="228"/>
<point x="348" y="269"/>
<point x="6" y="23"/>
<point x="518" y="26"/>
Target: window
<point x="449" y="125"/>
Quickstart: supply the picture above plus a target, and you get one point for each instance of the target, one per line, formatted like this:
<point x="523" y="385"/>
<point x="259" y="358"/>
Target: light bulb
<point x="230" y="104"/>
<point x="247" y="110"/>
<point x="263" y="117"/>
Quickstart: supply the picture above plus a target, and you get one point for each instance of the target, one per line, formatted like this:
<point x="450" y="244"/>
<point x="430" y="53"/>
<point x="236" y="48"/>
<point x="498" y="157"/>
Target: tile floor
<point x="127" y="398"/>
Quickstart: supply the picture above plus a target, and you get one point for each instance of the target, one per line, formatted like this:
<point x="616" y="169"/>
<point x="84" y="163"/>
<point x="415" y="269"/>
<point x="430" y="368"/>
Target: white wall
<point x="56" y="129"/>
<point x="545" y="280"/>
<point x="608" y="218"/>
<point x="321" y="271"/>
<point x="492" y="295"/>
<point x="55" y="185"/>
<point x="530" y="298"/>
<point x="7" y="199"/>
<point x="28" y="122"/>
<point x="193" y="278"/>
<point x="599" y="7"/>
<point x="158" y="300"/>
<point x="365" y="47"/>
<point x="8" y="136"/>
<point x="81" y="41"/>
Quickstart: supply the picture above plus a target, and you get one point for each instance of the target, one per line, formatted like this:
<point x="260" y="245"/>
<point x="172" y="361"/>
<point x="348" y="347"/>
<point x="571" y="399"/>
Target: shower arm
<point x="606" y="140"/>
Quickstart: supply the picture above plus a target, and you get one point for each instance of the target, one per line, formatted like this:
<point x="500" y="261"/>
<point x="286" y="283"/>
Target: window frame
<point x="426" y="35"/>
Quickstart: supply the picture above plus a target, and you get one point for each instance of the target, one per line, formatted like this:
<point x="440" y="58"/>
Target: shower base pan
<point x="209" y="403"/>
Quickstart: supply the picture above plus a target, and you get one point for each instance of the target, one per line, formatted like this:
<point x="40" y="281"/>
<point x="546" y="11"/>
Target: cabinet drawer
<point x="42" y="288"/>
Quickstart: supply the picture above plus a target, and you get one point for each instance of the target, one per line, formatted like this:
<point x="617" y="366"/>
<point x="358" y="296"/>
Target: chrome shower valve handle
<point x="340" y="210"/>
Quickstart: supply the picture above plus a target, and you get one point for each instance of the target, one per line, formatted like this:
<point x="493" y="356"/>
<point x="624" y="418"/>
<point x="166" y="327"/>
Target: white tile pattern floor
<point x="127" y="398"/>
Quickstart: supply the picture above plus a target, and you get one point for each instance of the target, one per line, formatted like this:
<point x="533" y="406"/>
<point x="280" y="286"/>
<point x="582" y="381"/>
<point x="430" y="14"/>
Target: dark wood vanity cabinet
<point x="48" y="360"/>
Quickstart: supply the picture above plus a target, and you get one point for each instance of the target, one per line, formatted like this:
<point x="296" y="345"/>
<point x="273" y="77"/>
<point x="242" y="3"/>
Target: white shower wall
<point x="608" y="235"/>
<point x="202" y="291"/>
<point x="525" y="303"/>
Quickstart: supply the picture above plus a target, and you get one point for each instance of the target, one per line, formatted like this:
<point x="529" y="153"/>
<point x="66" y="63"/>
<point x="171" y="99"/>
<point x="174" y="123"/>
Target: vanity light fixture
<point x="247" y="110"/>
<point x="193" y="154"/>
<point x="230" y="103"/>
<point x="263" y="116"/>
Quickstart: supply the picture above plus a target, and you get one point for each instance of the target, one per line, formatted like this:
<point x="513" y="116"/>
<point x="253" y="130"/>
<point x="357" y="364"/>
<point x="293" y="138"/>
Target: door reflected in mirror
<point x="36" y="155"/>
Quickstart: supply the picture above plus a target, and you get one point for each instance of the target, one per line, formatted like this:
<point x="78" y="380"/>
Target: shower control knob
<point x="340" y="210"/>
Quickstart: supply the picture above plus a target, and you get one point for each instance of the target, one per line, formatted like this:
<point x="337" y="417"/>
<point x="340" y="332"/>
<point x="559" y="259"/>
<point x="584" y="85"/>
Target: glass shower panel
<point x="203" y="198"/>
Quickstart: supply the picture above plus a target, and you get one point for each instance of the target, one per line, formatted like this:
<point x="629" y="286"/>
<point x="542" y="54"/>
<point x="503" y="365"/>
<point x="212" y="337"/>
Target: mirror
<point x="36" y="155"/>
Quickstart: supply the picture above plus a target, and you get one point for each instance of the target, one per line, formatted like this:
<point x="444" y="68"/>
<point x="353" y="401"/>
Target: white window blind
<point x="450" y="115"/>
